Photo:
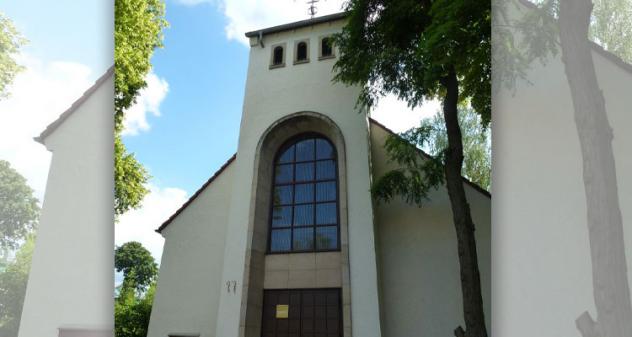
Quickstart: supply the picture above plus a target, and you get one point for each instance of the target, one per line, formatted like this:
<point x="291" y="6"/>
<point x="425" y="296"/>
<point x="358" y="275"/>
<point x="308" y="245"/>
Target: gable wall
<point x="67" y="288"/>
<point x="187" y="297"/>
<point x="540" y="201"/>
<point x="418" y="260"/>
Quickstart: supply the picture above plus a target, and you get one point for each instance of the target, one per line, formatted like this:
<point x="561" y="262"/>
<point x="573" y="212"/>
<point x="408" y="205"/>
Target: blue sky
<point x="198" y="127"/>
<point x="69" y="30"/>
<point x="185" y="124"/>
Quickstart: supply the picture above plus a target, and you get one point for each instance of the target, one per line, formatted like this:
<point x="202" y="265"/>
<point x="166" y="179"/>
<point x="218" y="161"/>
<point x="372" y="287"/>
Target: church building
<point x="285" y="239"/>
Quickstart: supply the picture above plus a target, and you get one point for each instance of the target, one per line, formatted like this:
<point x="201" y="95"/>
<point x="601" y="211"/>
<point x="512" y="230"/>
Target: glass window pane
<point x="303" y="238"/>
<point x="326" y="214"/>
<point x="280" y="240"/>
<point x="305" y="172"/>
<point x="287" y="156"/>
<point x="304" y="193"/>
<point x="282" y="216"/>
<point x="324" y="150"/>
<point x="327" y="237"/>
<point x="326" y="191"/>
<point x="305" y="150"/>
<point x="304" y="215"/>
<point x="282" y="195"/>
<point x="325" y="170"/>
<point x="283" y="173"/>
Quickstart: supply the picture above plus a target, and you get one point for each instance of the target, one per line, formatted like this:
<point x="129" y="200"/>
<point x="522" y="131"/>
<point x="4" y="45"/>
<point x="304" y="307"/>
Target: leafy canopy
<point x="477" y="161"/>
<point x="10" y="42"/>
<point x="611" y="27"/>
<point x="408" y="47"/>
<point x="132" y="313"/>
<point x="138" y="266"/>
<point x="130" y="177"/>
<point x="13" y="280"/>
<point x="19" y="210"/>
<point x="138" y="26"/>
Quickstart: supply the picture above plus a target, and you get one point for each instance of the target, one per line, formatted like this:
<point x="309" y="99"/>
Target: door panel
<point x="311" y="313"/>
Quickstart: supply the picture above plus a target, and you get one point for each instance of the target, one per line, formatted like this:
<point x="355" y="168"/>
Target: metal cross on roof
<point x="312" y="9"/>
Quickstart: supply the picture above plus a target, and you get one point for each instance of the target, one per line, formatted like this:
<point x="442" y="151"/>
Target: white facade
<point x="69" y="291"/>
<point x="215" y="266"/>
<point x="539" y="211"/>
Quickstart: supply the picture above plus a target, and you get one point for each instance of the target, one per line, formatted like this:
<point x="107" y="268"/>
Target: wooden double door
<point x="302" y="313"/>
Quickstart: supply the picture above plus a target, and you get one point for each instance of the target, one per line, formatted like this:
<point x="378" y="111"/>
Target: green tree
<point x="130" y="177"/>
<point x="421" y="50"/>
<point x="477" y="154"/>
<point x="138" y="26"/>
<point x="19" y="210"/>
<point x="132" y="307"/>
<point x="10" y="42"/>
<point x="13" y="282"/>
<point x="611" y="27"/>
<point x="138" y="266"/>
<point x="132" y="313"/>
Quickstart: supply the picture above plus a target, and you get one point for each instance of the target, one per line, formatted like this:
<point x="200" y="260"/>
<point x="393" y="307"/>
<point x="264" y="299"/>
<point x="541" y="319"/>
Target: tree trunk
<point x="468" y="258"/>
<point x="605" y="226"/>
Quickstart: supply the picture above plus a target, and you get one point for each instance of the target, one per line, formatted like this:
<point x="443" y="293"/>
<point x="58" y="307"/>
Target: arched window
<point x="326" y="49"/>
<point x="304" y="215"/>
<point x="301" y="52"/>
<point x="277" y="57"/>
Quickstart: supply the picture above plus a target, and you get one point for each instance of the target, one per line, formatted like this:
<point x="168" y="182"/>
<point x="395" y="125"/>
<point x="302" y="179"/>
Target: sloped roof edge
<point x="597" y="48"/>
<point x="231" y="159"/>
<point x="298" y="24"/>
<point x="64" y="115"/>
<point x="196" y="194"/>
<point x="426" y="155"/>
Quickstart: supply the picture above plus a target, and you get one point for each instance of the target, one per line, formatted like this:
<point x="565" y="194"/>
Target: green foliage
<point x="10" y="42"/>
<point x="416" y="176"/>
<point x="13" y="282"/>
<point x="537" y="41"/>
<point x="611" y="27"/>
<point x="138" y="26"/>
<point x="408" y="47"/>
<point x="130" y="178"/>
<point x="132" y="313"/>
<point x="19" y="211"/>
<point x="477" y="162"/>
<point x="138" y="267"/>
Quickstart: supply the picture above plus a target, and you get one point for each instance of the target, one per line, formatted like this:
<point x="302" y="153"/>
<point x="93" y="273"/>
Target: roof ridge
<point x="74" y="106"/>
<point x="427" y="155"/>
<point x="298" y="24"/>
<point x="196" y="194"/>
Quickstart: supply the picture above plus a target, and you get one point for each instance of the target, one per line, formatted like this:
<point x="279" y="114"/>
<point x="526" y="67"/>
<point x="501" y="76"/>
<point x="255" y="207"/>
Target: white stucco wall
<point x="270" y="95"/>
<point x="542" y="273"/>
<point x="418" y="258"/>
<point x="71" y="279"/>
<point x="187" y="297"/>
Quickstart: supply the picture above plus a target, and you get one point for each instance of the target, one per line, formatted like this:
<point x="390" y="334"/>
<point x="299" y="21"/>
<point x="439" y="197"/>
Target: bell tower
<point x="300" y="253"/>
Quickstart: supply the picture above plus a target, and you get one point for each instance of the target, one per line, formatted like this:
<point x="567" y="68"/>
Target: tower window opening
<point x="326" y="48"/>
<point x="277" y="56"/>
<point x="301" y="52"/>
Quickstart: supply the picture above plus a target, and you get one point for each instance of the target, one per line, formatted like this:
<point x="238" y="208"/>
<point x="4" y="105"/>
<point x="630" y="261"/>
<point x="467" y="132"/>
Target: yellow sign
<point x="282" y="310"/>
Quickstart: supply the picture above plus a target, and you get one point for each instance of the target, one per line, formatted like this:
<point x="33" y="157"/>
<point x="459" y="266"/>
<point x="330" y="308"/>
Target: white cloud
<point x="148" y="102"/>
<point x="248" y="15"/>
<point x="397" y="116"/>
<point x="38" y="96"/>
<point x="140" y="224"/>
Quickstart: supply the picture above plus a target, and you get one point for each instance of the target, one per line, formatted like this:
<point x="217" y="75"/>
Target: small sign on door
<point x="282" y="310"/>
